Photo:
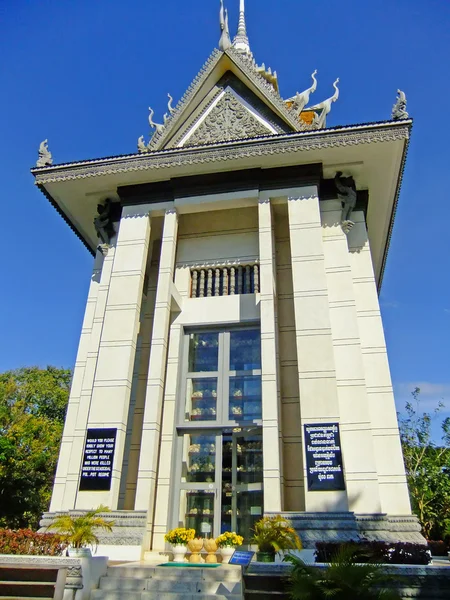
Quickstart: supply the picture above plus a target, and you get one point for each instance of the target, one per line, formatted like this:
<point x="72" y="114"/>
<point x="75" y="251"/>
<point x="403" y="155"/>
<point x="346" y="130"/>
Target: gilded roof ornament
<point x="241" y="42"/>
<point x="45" y="157"/>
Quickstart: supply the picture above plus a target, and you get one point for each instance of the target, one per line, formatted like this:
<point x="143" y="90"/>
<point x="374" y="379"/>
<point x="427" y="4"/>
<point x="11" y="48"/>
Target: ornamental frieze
<point x="229" y="120"/>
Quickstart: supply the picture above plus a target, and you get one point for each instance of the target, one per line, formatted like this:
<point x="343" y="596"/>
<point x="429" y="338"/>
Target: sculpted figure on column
<point x="346" y="188"/>
<point x="103" y="224"/>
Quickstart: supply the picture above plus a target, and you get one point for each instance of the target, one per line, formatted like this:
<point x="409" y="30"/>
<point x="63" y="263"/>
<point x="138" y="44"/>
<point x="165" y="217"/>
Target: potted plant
<point x="179" y="539"/>
<point x="79" y="531"/>
<point x="274" y="534"/>
<point x="227" y="543"/>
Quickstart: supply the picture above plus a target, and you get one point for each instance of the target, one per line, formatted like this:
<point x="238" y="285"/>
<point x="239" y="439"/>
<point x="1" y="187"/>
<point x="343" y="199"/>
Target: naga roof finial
<point x="225" y="41"/>
<point x="241" y="42"/>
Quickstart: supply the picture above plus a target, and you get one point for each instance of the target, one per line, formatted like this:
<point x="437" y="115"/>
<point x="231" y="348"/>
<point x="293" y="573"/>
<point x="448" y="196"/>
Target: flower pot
<point x="195" y="547"/>
<point x="179" y="552"/>
<point x="227" y="553"/>
<point x="211" y="548"/>
<point x="79" y="552"/>
<point x="265" y="557"/>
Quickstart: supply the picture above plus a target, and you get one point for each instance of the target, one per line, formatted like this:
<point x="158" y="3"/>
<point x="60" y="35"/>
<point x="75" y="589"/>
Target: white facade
<point x="219" y="250"/>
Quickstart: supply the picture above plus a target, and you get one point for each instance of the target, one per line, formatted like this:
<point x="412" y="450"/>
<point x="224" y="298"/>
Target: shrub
<point x="376" y="552"/>
<point x="342" y="579"/>
<point x="78" y="531"/>
<point x="27" y="542"/>
<point x="438" y="548"/>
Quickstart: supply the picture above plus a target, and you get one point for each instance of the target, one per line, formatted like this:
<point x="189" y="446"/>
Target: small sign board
<point x="96" y="472"/>
<point x="324" y="457"/>
<point x="242" y="557"/>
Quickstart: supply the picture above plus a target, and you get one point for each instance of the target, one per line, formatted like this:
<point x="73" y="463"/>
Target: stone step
<point x="170" y="586"/>
<point x="131" y="584"/>
<point x="228" y="573"/>
<point x="127" y="595"/>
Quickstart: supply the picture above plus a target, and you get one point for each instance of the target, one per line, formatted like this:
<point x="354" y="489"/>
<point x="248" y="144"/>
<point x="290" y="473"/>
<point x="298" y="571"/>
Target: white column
<point x="388" y="454"/>
<point x="114" y="369"/>
<point x="62" y="499"/>
<point x="269" y="362"/>
<point x="151" y="431"/>
<point x="356" y="427"/>
<point x="316" y="367"/>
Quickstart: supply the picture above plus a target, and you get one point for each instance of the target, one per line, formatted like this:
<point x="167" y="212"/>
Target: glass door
<point x="242" y="481"/>
<point x="218" y="482"/>
<point x="200" y="482"/>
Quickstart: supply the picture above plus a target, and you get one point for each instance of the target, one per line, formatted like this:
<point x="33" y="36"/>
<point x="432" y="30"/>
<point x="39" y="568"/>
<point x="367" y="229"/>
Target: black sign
<point x="96" y="472"/>
<point x="324" y="458"/>
<point x="241" y="557"/>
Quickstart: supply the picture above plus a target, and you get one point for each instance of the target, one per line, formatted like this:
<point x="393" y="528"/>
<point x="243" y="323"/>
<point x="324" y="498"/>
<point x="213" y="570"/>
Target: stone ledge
<point x="315" y="527"/>
<point x="128" y="530"/>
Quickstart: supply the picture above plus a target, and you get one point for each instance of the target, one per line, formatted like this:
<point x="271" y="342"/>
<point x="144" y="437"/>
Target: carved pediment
<point x="228" y="120"/>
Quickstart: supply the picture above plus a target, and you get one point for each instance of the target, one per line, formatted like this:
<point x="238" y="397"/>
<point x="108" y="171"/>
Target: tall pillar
<point x="151" y="431"/>
<point x="269" y="362"/>
<point x="64" y="492"/>
<point x="112" y="381"/>
<point x="388" y="453"/>
<point x="316" y="367"/>
<point x="356" y="427"/>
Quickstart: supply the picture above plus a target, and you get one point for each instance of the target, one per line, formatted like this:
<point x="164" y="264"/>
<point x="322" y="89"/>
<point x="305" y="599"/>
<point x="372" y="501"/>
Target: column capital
<point x="171" y="211"/>
<point x="294" y="192"/>
<point x="135" y="211"/>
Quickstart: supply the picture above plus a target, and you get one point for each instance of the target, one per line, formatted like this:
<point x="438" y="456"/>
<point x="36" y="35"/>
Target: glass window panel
<point x="203" y="352"/>
<point x="197" y="512"/>
<point x="201" y="399"/>
<point x="249" y="510"/>
<point x="245" y="398"/>
<point x="249" y="460"/>
<point x="245" y="350"/>
<point x="199" y="458"/>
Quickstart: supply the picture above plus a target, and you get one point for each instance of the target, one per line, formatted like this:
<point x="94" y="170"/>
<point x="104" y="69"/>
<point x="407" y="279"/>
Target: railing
<point x="224" y="281"/>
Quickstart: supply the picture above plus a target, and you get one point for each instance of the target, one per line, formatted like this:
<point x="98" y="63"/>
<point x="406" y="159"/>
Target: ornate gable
<point x="204" y="91"/>
<point x="229" y="119"/>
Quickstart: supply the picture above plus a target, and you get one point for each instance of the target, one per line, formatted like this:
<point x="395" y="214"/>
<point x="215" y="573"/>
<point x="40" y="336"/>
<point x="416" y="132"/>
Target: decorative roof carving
<point x="399" y="108"/>
<point x="325" y="107"/>
<point x="228" y="120"/>
<point x="226" y="151"/>
<point x="45" y="157"/>
<point x="225" y="41"/>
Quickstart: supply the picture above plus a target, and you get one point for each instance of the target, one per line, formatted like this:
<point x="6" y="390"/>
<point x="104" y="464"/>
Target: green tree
<point x="427" y="465"/>
<point x="33" y="404"/>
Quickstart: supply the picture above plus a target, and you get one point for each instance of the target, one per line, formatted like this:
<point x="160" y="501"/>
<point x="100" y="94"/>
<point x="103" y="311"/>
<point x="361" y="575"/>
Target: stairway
<point x="148" y="582"/>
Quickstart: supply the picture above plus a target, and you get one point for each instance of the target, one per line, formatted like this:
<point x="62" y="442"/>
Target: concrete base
<point x="125" y="540"/>
<point x="346" y="526"/>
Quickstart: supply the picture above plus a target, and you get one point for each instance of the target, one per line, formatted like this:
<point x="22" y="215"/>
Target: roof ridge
<point x="207" y="67"/>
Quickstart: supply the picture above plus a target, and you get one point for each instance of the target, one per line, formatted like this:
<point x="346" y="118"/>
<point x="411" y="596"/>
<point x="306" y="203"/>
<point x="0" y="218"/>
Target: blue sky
<point x="82" y="74"/>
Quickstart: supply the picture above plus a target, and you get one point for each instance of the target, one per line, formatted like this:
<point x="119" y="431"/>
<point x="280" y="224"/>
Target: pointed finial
<point x="241" y="42"/>
<point x="225" y="41"/>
